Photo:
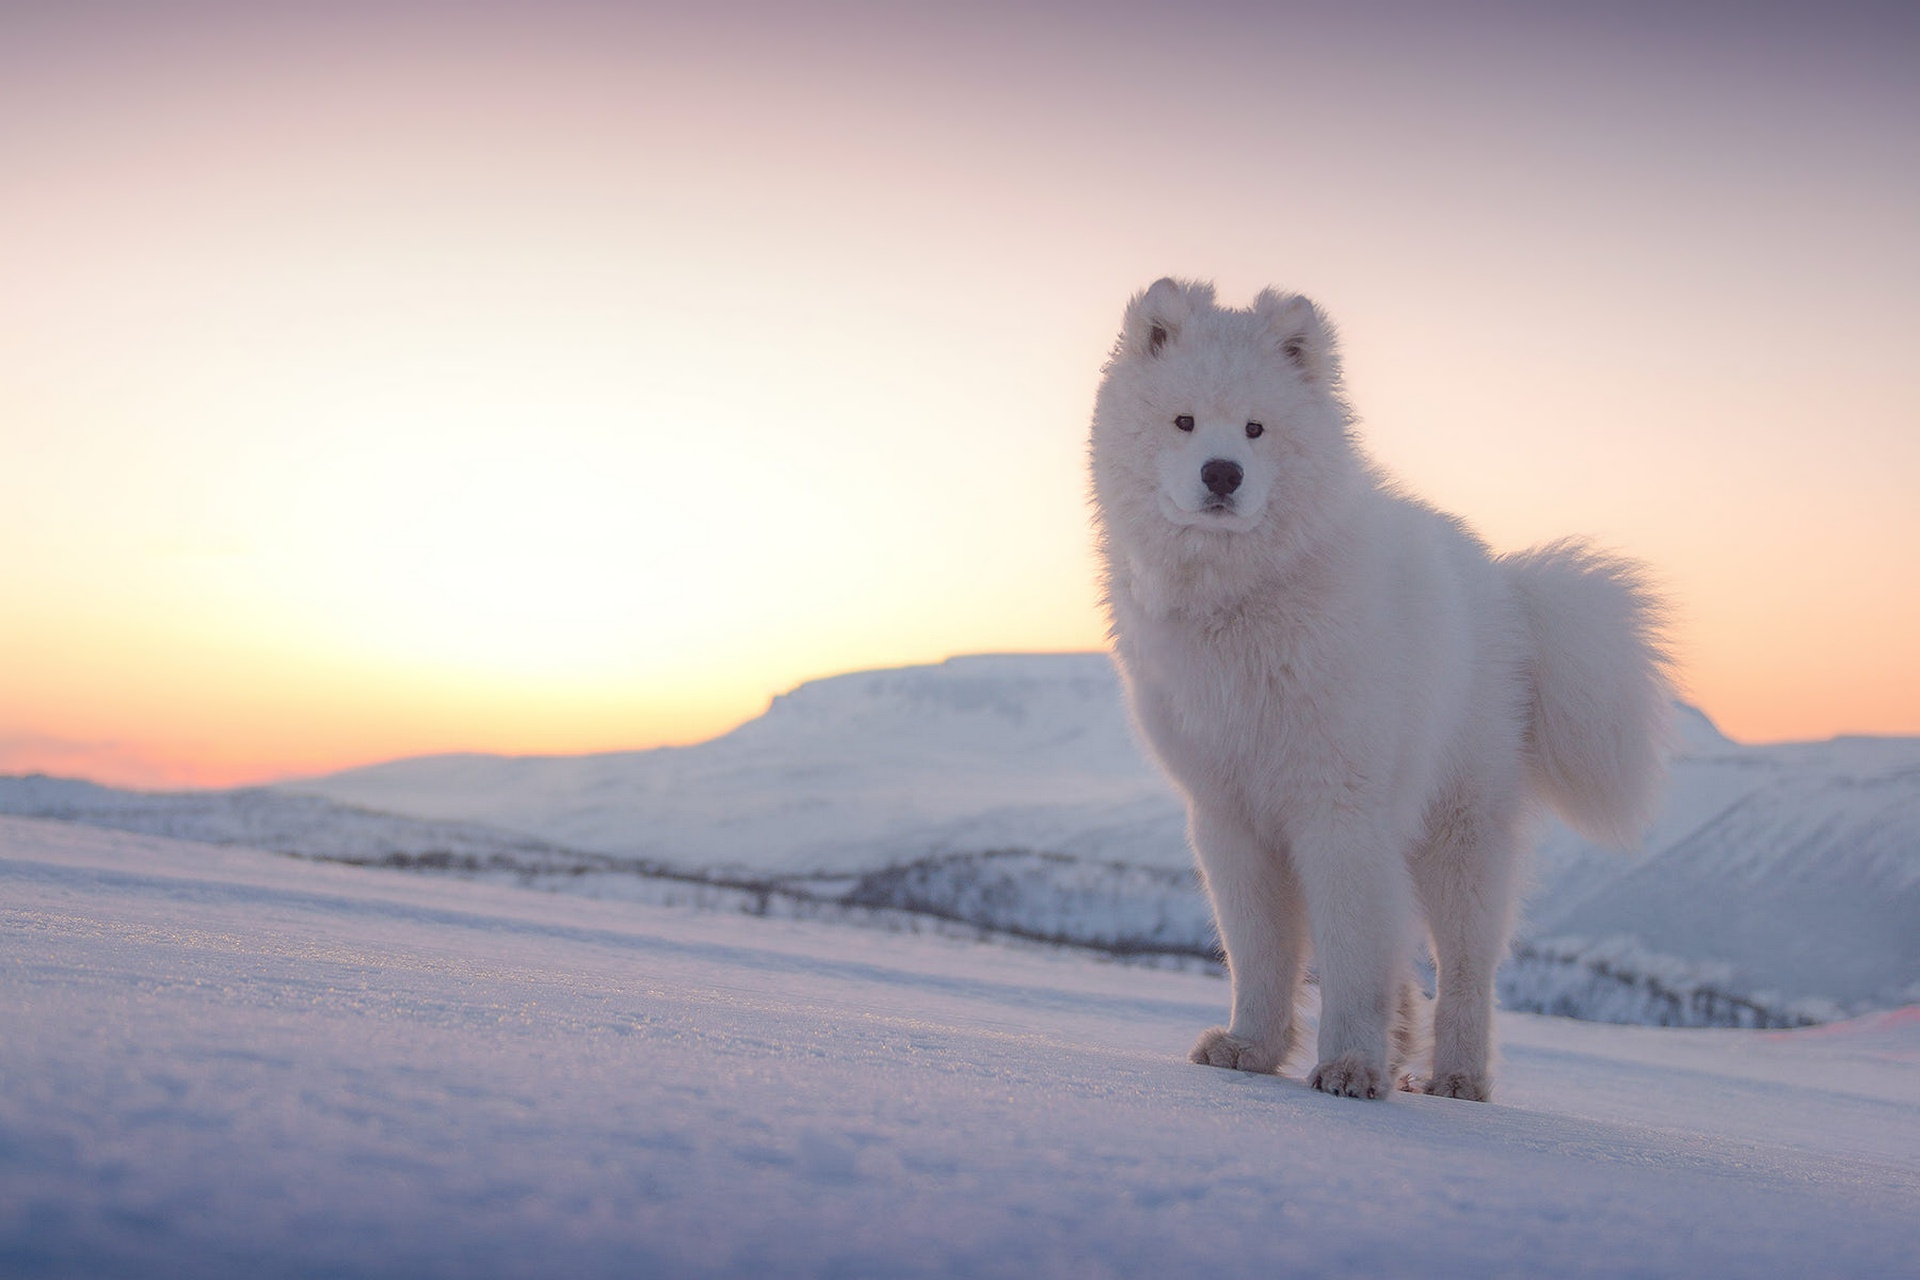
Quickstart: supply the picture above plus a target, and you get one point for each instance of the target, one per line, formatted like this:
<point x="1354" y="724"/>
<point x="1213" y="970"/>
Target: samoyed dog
<point x="1364" y="707"/>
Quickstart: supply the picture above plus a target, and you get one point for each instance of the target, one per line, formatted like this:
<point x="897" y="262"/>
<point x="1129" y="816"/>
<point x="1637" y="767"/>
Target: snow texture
<point x="219" y="1062"/>
<point x="1780" y="885"/>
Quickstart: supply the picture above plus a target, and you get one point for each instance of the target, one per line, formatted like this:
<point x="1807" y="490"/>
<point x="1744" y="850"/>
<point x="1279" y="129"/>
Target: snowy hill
<point x="842" y="774"/>
<point x="1780" y="884"/>
<point x="222" y="1063"/>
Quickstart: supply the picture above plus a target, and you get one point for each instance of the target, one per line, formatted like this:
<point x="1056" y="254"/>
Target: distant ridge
<point x="841" y="773"/>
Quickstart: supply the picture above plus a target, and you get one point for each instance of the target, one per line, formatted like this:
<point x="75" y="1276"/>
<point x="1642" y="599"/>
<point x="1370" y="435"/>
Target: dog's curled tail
<point x="1601" y="722"/>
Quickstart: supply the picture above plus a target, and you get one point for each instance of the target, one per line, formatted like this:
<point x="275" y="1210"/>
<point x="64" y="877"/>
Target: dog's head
<point x="1230" y="420"/>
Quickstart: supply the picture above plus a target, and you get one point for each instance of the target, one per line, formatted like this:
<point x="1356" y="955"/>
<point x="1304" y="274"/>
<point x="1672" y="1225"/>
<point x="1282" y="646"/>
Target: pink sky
<point x="569" y="377"/>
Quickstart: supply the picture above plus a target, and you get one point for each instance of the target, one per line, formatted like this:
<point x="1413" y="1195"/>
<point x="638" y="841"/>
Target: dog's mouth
<point x="1216" y="513"/>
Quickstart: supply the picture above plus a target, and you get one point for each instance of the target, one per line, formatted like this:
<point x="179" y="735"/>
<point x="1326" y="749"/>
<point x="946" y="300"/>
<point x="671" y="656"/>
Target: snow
<point x="222" y="1062"/>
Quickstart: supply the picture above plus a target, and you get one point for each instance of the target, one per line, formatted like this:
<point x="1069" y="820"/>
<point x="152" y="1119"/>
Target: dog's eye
<point x="1184" y="422"/>
<point x="1255" y="431"/>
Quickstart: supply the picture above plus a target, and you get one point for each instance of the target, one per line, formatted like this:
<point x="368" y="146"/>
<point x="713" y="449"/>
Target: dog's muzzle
<point x="1221" y="478"/>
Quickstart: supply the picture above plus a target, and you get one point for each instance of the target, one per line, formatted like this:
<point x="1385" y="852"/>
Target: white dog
<point x="1363" y="707"/>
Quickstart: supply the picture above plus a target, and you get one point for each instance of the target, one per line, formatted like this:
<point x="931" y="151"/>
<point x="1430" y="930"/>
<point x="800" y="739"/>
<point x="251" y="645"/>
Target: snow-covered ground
<point x="219" y="1062"/>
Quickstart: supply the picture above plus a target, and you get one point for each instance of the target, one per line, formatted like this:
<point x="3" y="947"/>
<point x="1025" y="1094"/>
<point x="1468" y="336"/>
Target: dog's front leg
<point x="1261" y="914"/>
<point x="1360" y="897"/>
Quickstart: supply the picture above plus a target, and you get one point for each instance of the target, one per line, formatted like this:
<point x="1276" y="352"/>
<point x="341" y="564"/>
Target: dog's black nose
<point x="1220" y="476"/>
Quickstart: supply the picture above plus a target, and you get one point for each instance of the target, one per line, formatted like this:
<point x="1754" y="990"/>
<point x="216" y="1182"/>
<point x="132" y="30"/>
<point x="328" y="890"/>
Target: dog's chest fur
<point x="1236" y="705"/>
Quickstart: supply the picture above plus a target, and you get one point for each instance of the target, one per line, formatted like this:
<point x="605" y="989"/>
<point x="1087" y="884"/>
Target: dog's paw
<point x="1220" y="1048"/>
<point x="1461" y="1084"/>
<point x="1351" y="1075"/>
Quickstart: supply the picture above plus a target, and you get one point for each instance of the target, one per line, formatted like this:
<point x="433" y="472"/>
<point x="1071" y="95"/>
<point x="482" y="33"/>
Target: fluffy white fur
<point x="1363" y="706"/>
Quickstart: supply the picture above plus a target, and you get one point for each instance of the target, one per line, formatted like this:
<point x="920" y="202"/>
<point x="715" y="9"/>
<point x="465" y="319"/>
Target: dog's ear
<point x="1156" y="316"/>
<point x="1301" y="334"/>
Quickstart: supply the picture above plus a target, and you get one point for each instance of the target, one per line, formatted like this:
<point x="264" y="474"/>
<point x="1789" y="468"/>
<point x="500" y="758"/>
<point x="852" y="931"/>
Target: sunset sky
<point x="378" y="379"/>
